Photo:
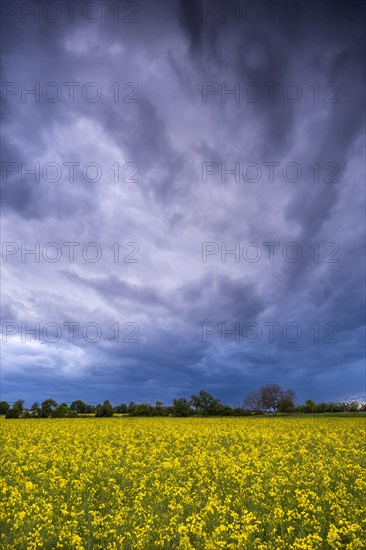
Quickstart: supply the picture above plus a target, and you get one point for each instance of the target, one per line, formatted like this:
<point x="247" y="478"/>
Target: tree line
<point x="270" y="398"/>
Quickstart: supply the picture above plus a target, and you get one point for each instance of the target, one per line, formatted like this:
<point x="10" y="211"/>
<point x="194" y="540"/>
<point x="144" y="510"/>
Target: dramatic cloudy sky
<point x="294" y="131"/>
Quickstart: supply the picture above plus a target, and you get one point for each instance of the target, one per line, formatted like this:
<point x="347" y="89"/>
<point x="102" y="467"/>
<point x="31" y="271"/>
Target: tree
<point x="19" y="406"/>
<point x="290" y="395"/>
<point x="12" y="413"/>
<point x="105" y="410"/>
<point x="78" y="406"/>
<point x="120" y="409"/>
<point x="181" y="407"/>
<point x="36" y="411"/>
<point x="159" y="409"/>
<point x="204" y="403"/>
<point x="286" y="406"/>
<point x="4" y="407"/>
<point x="61" y="411"/>
<point x="143" y="409"/>
<point x="352" y="406"/>
<point x="131" y="407"/>
<point x="287" y="403"/>
<point x="253" y="401"/>
<point x="226" y="410"/>
<point x="309" y="406"/>
<point x="272" y="395"/>
<point x="47" y="407"/>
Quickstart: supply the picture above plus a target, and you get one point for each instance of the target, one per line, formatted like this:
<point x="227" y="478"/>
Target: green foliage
<point x="48" y="406"/>
<point x="323" y="407"/>
<point x="267" y="399"/>
<point x="121" y="409"/>
<point x="35" y="409"/>
<point x="181" y="407"/>
<point x="205" y="403"/>
<point x="12" y="413"/>
<point x="131" y="407"/>
<point x="105" y="410"/>
<point x="61" y="411"/>
<point x="79" y="407"/>
<point x="19" y="406"/>
<point x="4" y="407"/>
<point x="143" y="409"/>
<point x="309" y="406"/>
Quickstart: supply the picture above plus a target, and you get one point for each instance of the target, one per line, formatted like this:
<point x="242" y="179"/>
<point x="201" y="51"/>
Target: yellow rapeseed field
<point x="189" y="483"/>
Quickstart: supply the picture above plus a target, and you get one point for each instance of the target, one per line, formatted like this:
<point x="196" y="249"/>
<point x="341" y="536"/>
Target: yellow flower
<point x="190" y="484"/>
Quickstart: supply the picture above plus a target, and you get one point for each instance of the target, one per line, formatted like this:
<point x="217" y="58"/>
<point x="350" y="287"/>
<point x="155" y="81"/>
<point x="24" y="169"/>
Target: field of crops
<point x="190" y="483"/>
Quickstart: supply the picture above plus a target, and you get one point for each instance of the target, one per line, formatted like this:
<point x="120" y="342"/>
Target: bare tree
<point x="272" y="395"/>
<point x="254" y="401"/>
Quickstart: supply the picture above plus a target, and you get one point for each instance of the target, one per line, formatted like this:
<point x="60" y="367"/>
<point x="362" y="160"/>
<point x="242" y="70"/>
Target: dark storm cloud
<point x="343" y="127"/>
<point x="190" y="302"/>
<point x="191" y="21"/>
<point x="116" y="290"/>
<point x="168" y="134"/>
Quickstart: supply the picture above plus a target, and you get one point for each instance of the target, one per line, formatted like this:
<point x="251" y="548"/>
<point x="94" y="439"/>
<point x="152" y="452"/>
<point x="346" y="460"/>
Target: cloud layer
<point x="191" y="125"/>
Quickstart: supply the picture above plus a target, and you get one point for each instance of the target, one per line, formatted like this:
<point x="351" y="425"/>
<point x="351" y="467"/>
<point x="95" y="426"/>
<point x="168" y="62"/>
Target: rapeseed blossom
<point x="183" y="483"/>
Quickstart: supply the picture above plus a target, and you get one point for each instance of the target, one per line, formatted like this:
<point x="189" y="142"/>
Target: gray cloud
<point x="170" y="211"/>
